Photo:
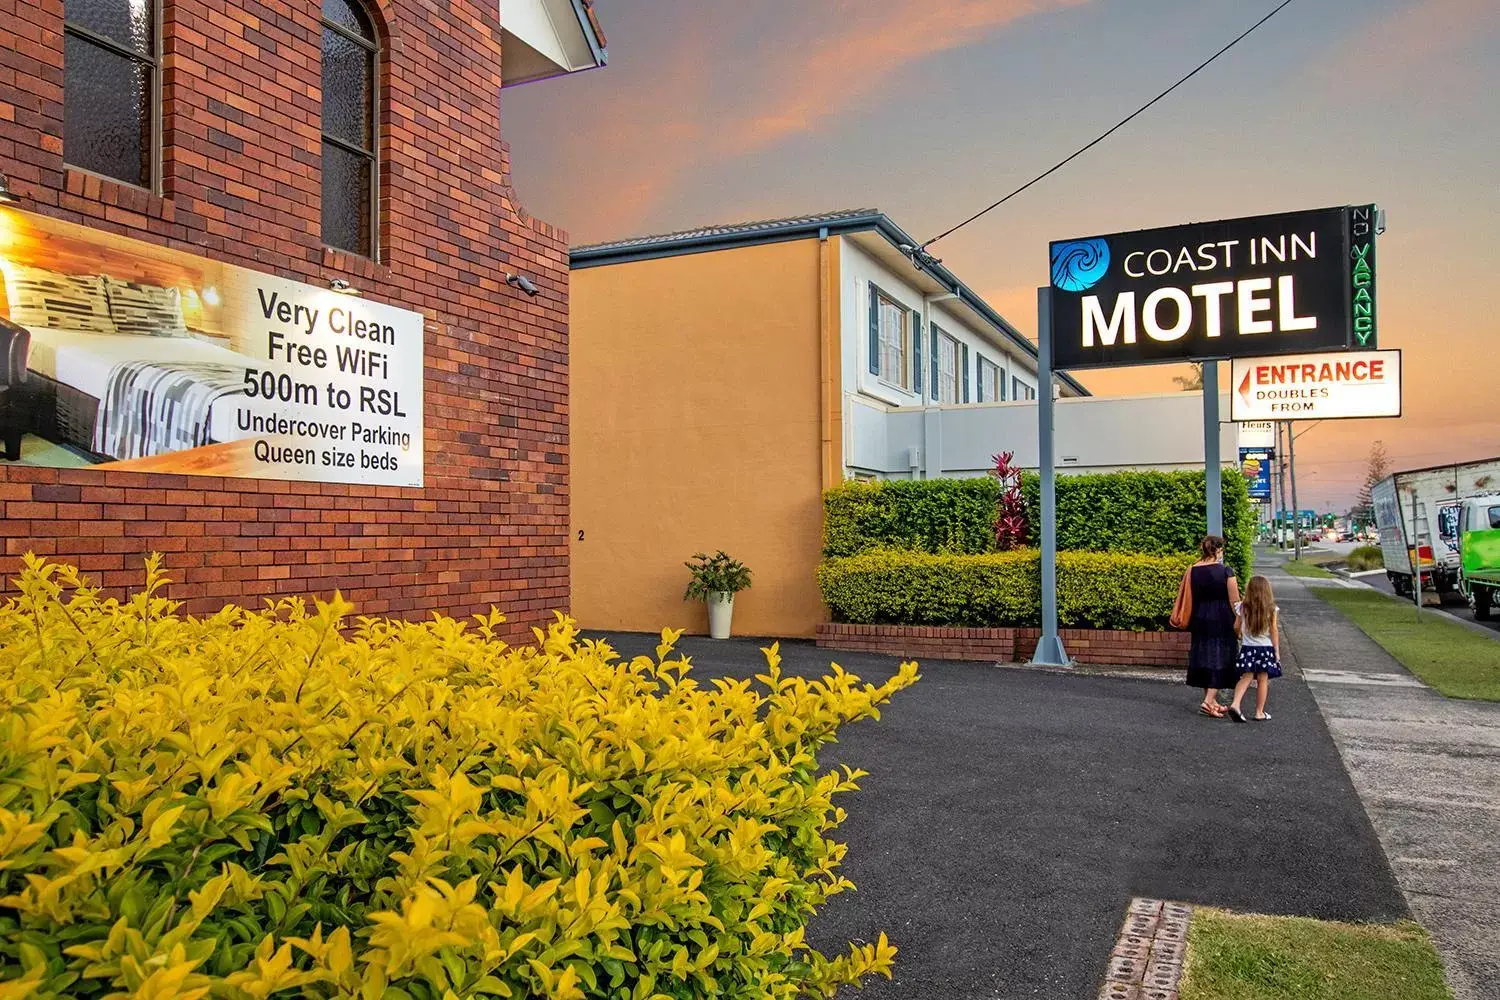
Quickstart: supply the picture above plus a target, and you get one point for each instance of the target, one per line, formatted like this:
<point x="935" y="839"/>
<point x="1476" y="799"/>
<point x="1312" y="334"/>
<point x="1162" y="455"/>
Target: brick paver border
<point x="1146" y="963"/>
<point x="1103" y="647"/>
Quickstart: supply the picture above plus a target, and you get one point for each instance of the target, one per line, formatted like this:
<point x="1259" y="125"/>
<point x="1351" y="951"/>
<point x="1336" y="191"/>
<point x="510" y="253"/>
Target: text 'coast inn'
<point x="270" y="306"/>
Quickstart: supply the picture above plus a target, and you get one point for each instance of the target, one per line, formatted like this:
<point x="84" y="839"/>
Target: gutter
<point x="593" y="33"/>
<point x="881" y="223"/>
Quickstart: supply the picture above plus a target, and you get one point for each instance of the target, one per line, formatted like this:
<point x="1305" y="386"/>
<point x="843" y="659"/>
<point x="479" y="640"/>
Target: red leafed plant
<point x="1010" y="512"/>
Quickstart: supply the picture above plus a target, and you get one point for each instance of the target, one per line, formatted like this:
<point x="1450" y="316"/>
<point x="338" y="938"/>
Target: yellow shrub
<point x="294" y="803"/>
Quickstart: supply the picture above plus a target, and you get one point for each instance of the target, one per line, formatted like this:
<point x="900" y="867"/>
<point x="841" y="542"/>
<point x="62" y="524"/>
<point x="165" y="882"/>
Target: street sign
<point x="1337" y="386"/>
<point x="1255" y="463"/>
<point x="1258" y="434"/>
<point x="1274" y="284"/>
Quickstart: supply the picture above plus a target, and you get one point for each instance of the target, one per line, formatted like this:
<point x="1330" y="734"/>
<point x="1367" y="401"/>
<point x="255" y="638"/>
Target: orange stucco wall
<point x="694" y="408"/>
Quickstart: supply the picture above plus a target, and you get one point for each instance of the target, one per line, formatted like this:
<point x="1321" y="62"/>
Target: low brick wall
<point x="1009" y="645"/>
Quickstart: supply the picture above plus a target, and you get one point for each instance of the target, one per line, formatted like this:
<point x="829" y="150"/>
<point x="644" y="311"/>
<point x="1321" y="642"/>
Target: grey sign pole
<point x="1213" y="474"/>
<point x="1049" y="648"/>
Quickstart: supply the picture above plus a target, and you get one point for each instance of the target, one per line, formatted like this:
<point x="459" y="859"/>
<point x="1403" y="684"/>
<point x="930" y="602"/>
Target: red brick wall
<point x="1009" y="645"/>
<point x="241" y="123"/>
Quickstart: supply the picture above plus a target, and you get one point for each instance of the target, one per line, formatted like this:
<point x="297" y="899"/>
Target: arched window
<point x="110" y="88"/>
<point x="351" y="182"/>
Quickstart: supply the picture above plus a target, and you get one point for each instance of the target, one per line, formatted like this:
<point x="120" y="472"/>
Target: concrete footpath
<point x="1428" y="771"/>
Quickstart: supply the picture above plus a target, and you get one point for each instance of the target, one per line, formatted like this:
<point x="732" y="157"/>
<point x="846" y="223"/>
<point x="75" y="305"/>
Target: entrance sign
<point x="147" y="359"/>
<point x="1255" y="463"/>
<point x="1273" y="284"/>
<point x="1342" y="385"/>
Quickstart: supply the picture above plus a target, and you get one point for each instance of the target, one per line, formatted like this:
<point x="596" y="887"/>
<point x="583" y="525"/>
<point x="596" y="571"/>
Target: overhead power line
<point x="1116" y="127"/>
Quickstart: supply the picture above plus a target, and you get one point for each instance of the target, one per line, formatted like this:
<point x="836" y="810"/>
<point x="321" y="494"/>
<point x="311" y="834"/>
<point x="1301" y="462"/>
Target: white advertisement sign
<point x="335" y="394"/>
<point x="1335" y="386"/>
<point x="148" y="359"/>
<point x="1257" y="434"/>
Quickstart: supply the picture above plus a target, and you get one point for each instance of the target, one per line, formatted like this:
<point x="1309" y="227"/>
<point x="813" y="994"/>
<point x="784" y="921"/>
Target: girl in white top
<point x="1260" y="647"/>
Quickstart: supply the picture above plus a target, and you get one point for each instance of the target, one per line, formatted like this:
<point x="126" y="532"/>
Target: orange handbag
<point x="1182" y="611"/>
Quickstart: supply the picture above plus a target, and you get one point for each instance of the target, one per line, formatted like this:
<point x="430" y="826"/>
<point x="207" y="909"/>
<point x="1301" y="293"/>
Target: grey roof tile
<point x="759" y="228"/>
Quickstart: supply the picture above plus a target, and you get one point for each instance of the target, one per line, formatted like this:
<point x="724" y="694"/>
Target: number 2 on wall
<point x="580" y="534"/>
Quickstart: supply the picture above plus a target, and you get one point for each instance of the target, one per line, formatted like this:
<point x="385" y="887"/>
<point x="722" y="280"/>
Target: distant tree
<point x="1378" y="467"/>
<point x="1192" y="382"/>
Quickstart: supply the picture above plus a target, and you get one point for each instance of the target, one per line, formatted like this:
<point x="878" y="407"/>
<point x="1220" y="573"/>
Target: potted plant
<point x="716" y="579"/>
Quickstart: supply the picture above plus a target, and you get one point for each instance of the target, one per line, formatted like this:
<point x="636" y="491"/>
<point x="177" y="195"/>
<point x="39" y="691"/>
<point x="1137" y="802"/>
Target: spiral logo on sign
<point x="1079" y="264"/>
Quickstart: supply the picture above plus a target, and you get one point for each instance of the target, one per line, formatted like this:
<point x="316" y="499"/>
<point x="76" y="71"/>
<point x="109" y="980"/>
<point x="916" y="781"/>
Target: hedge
<point x="1094" y="589"/>
<point x="1152" y="512"/>
<point x="301" y="803"/>
<point x="922" y="515"/>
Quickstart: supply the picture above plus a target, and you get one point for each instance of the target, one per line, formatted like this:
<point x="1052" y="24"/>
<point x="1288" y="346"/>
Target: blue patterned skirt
<point x="1258" y="660"/>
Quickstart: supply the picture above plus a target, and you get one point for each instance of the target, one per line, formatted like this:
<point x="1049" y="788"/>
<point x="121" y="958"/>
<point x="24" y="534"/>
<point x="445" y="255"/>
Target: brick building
<point x="356" y="143"/>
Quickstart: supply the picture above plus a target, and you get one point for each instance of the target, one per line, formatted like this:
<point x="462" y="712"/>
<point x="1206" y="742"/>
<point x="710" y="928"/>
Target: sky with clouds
<point x="716" y="111"/>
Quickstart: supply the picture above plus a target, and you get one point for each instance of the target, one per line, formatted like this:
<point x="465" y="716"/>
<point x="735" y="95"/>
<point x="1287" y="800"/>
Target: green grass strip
<point x="1453" y="659"/>
<point x="1305" y="568"/>
<point x="1234" y="957"/>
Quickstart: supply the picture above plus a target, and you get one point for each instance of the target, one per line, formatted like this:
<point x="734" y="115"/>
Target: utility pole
<point x="1415" y="548"/>
<point x="1291" y="457"/>
<point x="1281" y="485"/>
<point x="1275" y="485"/>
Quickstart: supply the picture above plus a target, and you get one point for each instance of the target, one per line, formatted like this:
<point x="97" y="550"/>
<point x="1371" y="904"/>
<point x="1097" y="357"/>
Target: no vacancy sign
<point x="1342" y="385"/>
<point x="1272" y="284"/>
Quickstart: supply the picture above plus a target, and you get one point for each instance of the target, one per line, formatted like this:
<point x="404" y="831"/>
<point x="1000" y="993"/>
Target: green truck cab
<point x="1479" y="553"/>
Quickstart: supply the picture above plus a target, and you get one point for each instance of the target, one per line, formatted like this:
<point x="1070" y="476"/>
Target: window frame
<point x="377" y="55"/>
<point x="985" y="364"/>
<point x="946" y="341"/>
<point x="153" y="62"/>
<point x="904" y="381"/>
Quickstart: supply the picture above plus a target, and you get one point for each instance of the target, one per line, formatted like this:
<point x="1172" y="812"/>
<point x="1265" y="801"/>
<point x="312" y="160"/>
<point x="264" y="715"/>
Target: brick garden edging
<point x="1009" y="645"/>
<point x="1147" y="960"/>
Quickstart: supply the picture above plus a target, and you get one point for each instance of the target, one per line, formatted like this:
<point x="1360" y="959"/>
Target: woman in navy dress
<point x="1211" y="663"/>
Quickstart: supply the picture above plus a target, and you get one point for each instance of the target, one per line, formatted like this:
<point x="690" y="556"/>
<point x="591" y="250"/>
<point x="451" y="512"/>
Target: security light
<point x="7" y="196"/>
<point x="524" y="283"/>
<point x="342" y="287"/>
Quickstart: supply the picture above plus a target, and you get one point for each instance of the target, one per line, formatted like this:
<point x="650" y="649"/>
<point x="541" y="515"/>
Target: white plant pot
<point x="720" y="612"/>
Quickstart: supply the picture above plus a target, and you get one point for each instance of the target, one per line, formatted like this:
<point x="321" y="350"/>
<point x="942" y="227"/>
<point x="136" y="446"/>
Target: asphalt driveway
<point x="1010" y="816"/>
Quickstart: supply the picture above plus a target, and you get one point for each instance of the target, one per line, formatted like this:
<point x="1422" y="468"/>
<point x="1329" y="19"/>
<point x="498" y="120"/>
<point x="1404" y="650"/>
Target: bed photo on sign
<point x="113" y="369"/>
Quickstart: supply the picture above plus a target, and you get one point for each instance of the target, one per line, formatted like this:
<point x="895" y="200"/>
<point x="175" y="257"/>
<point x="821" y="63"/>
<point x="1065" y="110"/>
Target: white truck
<point x="1417" y="515"/>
